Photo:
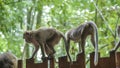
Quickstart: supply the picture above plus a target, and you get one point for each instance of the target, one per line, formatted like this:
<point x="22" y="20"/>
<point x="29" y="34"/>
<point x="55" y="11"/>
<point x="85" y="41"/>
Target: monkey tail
<point x="96" y="42"/>
<point x="66" y="47"/>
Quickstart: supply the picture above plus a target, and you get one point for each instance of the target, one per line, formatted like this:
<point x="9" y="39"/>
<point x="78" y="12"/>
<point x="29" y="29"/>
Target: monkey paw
<point x="44" y="59"/>
<point x="50" y="57"/>
<point x="31" y="58"/>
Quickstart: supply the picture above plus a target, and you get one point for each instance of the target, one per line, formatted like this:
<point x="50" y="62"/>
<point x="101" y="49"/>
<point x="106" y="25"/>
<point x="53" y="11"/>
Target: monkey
<point x="118" y="35"/>
<point x="8" y="60"/>
<point x="46" y="39"/>
<point x="79" y="35"/>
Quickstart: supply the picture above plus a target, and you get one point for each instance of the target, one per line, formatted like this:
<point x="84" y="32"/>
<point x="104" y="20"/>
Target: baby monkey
<point x="80" y="34"/>
<point x="8" y="60"/>
<point x="46" y="38"/>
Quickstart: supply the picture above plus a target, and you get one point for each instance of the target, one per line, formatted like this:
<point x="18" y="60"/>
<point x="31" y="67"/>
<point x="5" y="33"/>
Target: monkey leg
<point x="48" y="50"/>
<point x="93" y="41"/>
<point x="35" y="51"/>
<point x="68" y="45"/>
<point x="80" y="49"/>
<point x="43" y="53"/>
<point x="51" y="55"/>
<point x="83" y="45"/>
<point x="68" y="48"/>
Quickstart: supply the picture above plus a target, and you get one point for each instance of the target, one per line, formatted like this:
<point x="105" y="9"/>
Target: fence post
<point x="52" y="63"/>
<point x="118" y="60"/>
<point x="92" y="60"/>
<point x="80" y="62"/>
<point x="104" y="62"/>
<point x="63" y="63"/>
<point x="112" y="60"/>
<point x="30" y="64"/>
<point x="19" y="64"/>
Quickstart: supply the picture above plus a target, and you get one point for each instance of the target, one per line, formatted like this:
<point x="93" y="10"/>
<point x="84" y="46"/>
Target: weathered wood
<point x="118" y="60"/>
<point x="63" y="63"/>
<point x="104" y="62"/>
<point x="79" y="63"/>
<point x="52" y="63"/>
<point x="19" y="63"/>
<point x="92" y="60"/>
<point x="30" y="64"/>
<point x="113" y="61"/>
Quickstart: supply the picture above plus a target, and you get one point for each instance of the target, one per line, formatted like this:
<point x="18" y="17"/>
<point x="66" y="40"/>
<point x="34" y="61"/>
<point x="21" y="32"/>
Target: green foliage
<point x="17" y="16"/>
<point x="3" y="43"/>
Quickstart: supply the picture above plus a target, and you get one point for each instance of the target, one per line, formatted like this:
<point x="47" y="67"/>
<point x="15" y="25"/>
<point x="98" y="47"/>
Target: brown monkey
<point x="80" y="34"/>
<point x="46" y="38"/>
<point x="118" y="44"/>
<point x="8" y="60"/>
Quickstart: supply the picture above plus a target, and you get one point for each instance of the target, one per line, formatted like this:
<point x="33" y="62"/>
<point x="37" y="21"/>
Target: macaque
<point x="46" y="38"/>
<point x="8" y="60"/>
<point x="118" y="35"/>
<point x="80" y="34"/>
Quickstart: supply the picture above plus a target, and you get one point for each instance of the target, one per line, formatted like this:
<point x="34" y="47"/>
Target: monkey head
<point x="29" y="38"/>
<point x="6" y="63"/>
<point x="27" y="35"/>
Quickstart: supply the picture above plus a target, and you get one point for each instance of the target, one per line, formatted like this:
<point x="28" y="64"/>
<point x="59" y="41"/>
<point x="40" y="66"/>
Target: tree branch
<point x="106" y="23"/>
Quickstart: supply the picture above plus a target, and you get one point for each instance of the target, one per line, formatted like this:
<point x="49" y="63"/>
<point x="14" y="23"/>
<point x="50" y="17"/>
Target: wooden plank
<point x="92" y="60"/>
<point x="80" y="62"/>
<point x="63" y="63"/>
<point x="118" y="60"/>
<point x="52" y="63"/>
<point x="104" y="62"/>
<point x="30" y="64"/>
<point x="19" y="63"/>
<point x="112" y="60"/>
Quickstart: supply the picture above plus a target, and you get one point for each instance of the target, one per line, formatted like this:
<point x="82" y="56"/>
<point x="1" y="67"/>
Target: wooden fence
<point x="113" y="61"/>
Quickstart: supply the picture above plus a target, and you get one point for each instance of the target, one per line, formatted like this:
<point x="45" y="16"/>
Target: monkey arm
<point x="67" y="50"/>
<point x="42" y="49"/>
<point x="35" y="51"/>
<point x="83" y="46"/>
<point x="36" y="45"/>
<point x="67" y="47"/>
<point x="80" y="48"/>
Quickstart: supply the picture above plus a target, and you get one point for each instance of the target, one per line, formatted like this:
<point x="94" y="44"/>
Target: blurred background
<point x="17" y="16"/>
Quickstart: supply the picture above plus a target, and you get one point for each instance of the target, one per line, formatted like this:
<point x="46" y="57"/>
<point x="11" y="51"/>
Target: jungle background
<point x="17" y="16"/>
